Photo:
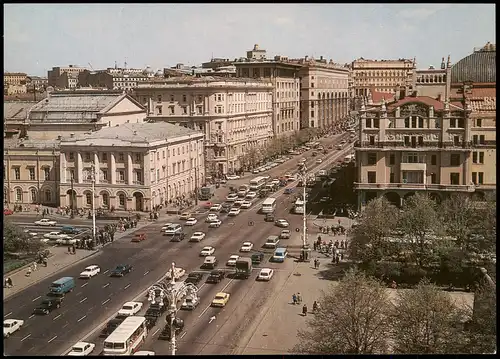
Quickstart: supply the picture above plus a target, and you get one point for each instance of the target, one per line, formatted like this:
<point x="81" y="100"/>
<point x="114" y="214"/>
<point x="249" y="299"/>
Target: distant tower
<point x="443" y="66"/>
<point x="116" y="65"/>
<point x="448" y="64"/>
<point x="125" y="65"/>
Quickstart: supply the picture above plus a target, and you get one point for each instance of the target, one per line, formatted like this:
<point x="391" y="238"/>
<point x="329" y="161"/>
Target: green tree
<point x="16" y="241"/>
<point x="426" y="320"/>
<point x="353" y="319"/>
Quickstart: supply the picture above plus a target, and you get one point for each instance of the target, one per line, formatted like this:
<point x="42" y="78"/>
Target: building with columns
<point x="136" y="166"/>
<point x="234" y="114"/>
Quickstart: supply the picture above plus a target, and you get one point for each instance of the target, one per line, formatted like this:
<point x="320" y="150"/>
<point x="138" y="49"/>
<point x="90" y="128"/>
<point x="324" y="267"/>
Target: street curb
<point x="12" y="272"/>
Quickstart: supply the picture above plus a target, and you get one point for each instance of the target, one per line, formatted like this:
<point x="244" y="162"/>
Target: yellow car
<point x="220" y="299"/>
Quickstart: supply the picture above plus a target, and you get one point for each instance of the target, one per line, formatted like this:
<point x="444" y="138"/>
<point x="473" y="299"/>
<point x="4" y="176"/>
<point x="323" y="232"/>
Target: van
<point x="279" y="255"/>
<point x="173" y="229"/>
<point x="63" y="285"/>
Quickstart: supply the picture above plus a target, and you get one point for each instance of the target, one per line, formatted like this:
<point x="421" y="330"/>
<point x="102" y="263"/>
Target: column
<point x="112" y="168"/>
<point x="97" y="168"/>
<point x="465" y="179"/>
<point x="62" y="167"/>
<point x="79" y="168"/>
<point x="130" y="169"/>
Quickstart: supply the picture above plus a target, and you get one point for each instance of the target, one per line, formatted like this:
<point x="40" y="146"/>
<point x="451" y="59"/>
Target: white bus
<point x="257" y="183"/>
<point x="127" y="337"/>
<point x="298" y="207"/>
<point x="269" y="205"/>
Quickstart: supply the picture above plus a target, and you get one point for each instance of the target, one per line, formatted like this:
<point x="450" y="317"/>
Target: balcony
<point x="485" y="144"/>
<point x="413" y="166"/>
<point x="414" y="186"/>
<point x="391" y="145"/>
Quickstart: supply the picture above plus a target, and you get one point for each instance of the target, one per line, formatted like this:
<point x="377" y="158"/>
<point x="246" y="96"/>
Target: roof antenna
<point x="125" y="63"/>
<point x="116" y="65"/>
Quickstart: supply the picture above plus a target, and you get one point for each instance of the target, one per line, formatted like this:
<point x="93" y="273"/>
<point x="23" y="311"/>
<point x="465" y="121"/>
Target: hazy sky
<point x="38" y="37"/>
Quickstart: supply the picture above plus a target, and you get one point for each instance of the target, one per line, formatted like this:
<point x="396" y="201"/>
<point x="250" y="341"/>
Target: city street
<point x="93" y="301"/>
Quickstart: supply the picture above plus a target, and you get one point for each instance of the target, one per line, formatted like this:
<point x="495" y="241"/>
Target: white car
<point x="66" y="241"/>
<point x="275" y="182"/>
<point x="178" y="273"/>
<point x="251" y="195"/>
<point x="246" y="204"/>
<point x="265" y="274"/>
<point x="90" y="271"/>
<point x="11" y="325"/>
<point x="46" y="222"/>
<point x="246" y="247"/>
<point x="130" y="308"/>
<point x="191" y="221"/>
<point x="319" y="160"/>
<point x="215" y="224"/>
<point x="282" y="223"/>
<point x="207" y="251"/>
<point x="165" y="226"/>
<point x="231" y="262"/>
<point x="255" y="171"/>
<point x="190" y="303"/>
<point x="234" y="212"/>
<point x="211" y="218"/>
<point x="232" y="177"/>
<point x="216" y="207"/>
<point x="145" y="352"/>
<point x="197" y="237"/>
<point x="30" y="233"/>
<point x="55" y="236"/>
<point x="82" y="349"/>
<point x="232" y="197"/>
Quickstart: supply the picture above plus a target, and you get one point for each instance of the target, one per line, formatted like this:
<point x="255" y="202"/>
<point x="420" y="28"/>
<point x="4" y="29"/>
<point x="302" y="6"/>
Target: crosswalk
<point x="40" y="229"/>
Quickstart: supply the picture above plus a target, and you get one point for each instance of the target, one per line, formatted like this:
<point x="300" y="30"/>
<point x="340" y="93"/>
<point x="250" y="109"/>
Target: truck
<point x="243" y="267"/>
<point x="206" y="192"/>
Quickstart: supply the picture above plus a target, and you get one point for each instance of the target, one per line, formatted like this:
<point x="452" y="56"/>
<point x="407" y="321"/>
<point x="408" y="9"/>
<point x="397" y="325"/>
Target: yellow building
<point x="14" y="78"/>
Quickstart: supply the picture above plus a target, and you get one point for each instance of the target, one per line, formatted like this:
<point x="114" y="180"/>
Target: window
<point x="479" y="122"/>
<point x="171" y="109"/>
<point x="456" y="140"/>
<point x="376" y="123"/>
<point x="137" y="157"/>
<point x="178" y="151"/>
<point x="173" y="168"/>
<point x="392" y="159"/>
<point x="475" y="139"/>
<point x="312" y="84"/>
<point x="420" y="140"/>
<point x="199" y="110"/>
<point x="88" y="198"/>
<point x="121" y="176"/>
<point x="104" y="156"/>
<point x="420" y="122"/>
<point x="72" y="174"/>
<point x="46" y="173"/>
<point x="368" y="123"/>
<point x="200" y="98"/>
<point x="172" y="98"/>
<point x="105" y="200"/>
<point x="19" y="195"/>
<point x="372" y="177"/>
<point x="455" y="159"/>
<point x="312" y="104"/>
<point x="33" y="195"/>
<point x="461" y="123"/>
<point x="312" y="113"/>
<point x="481" y="139"/>
<point x="157" y="156"/>
<point x="159" y="110"/>
<point x="480" y="176"/>
<point x="372" y="158"/>
<point x="71" y="156"/>
<point x="121" y="157"/>
<point x="121" y="200"/>
<point x="48" y="196"/>
<point x="159" y="98"/>
<point x="392" y="178"/>
<point x="138" y="176"/>
<point x="87" y="156"/>
<point x="184" y="110"/>
<point x="433" y="178"/>
<point x="372" y="140"/>
<point x="434" y="160"/>
<point x="481" y="157"/>
<point x="413" y="177"/>
<point x="455" y="178"/>
<point x="478" y="157"/>
<point x="31" y="173"/>
<point x="163" y="153"/>
<point x="104" y="175"/>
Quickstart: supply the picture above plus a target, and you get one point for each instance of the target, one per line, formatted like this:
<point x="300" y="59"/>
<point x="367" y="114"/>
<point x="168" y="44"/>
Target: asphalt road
<point x="93" y="301"/>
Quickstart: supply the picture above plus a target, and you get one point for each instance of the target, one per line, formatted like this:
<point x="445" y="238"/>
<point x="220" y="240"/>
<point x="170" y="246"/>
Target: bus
<point x="127" y="337"/>
<point x="269" y="205"/>
<point x="298" y="207"/>
<point x="257" y="183"/>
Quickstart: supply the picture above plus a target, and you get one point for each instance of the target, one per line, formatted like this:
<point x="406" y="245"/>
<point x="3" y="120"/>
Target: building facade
<point x="433" y="82"/>
<point x="14" y="78"/>
<point x="136" y="166"/>
<point x="36" y="83"/>
<point x="233" y="114"/>
<point x="113" y="79"/>
<point x="54" y="75"/>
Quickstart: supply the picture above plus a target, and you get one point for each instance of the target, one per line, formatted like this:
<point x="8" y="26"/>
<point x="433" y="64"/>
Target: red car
<point x="208" y="204"/>
<point x="7" y="212"/>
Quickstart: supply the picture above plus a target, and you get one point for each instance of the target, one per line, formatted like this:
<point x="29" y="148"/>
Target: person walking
<point x="294" y="299"/>
<point x="299" y="298"/>
<point x="9" y="282"/>
<point x="304" y="310"/>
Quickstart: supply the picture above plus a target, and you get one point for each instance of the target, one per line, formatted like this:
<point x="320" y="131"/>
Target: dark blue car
<point x="288" y="190"/>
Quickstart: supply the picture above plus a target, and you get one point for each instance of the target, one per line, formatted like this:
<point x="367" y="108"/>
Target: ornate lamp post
<point x="305" y="245"/>
<point x="92" y="175"/>
<point x="72" y="201"/>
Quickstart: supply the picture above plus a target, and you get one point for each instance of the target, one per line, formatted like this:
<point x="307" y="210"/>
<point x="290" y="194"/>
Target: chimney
<point x="72" y="135"/>
<point x="440" y="99"/>
<point x="402" y="92"/>
<point x="321" y="57"/>
<point x="306" y="58"/>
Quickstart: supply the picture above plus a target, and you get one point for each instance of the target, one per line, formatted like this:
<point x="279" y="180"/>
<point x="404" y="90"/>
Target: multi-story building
<point x="36" y="83"/>
<point x="15" y="116"/>
<point x="14" y="78"/>
<point x="384" y="75"/>
<point x="115" y="79"/>
<point x="433" y="82"/>
<point x="284" y="76"/>
<point x="135" y="166"/>
<point x="72" y="71"/>
<point x="324" y="93"/>
<point x="233" y="114"/>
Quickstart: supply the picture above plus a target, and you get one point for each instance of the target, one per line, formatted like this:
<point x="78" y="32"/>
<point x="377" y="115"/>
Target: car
<point x="90" y="271"/>
<point x="191" y="221"/>
<point x="257" y="258"/>
<point x="112" y="325"/>
<point x="343" y="142"/>
<point x="319" y="160"/>
<point x="190" y="302"/>
<point x="55" y="295"/>
<point x="165" y="226"/>
<point x="197" y="237"/>
<point x="234" y="212"/>
<point x="271" y="242"/>
<point x="255" y="171"/>
<point x="130" y="308"/>
<point x="339" y="147"/>
<point x="251" y="195"/>
<point x="246" y="247"/>
<point x="207" y="251"/>
<point x="215" y="276"/>
<point x="211" y="218"/>
<point x="232" y="177"/>
<point x="220" y="299"/>
<point x="231" y="197"/>
<point x="82" y="349"/>
<point x="145" y="352"/>
<point x="70" y="230"/>
<point x="237" y="203"/>
<point x="45" y="222"/>
<point x="231" y="262"/>
<point x="139" y="237"/>
<point x="7" y="212"/>
<point x="226" y="207"/>
<point x="281" y="223"/>
<point x="55" y="235"/>
<point x="30" y="233"/>
<point x="121" y="270"/>
<point x="194" y="278"/>
<point x="215" y="224"/>
<point x="46" y="306"/>
<point x="246" y="204"/>
<point x="210" y="262"/>
<point x="11" y="325"/>
<point x="265" y="274"/>
<point x="166" y="333"/>
<point x="66" y="241"/>
<point x="178" y="273"/>
<point x="185" y="216"/>
<point x="285" y="234"/>
<point x="216" y="207"/>
<point x="269" y="217"/>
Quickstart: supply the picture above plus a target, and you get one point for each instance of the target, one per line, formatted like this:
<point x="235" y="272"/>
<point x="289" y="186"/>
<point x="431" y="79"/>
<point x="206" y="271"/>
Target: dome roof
<point x="159" y="72"/>
<point x="479" y="66"/>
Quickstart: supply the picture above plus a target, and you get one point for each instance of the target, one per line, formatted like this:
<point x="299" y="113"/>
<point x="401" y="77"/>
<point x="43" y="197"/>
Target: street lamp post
<point x="72" y="202"/>
<point x="305" y="245"/>
<point x="92" y="174"/>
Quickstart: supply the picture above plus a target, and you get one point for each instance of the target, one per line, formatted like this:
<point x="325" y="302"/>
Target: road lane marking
<point x="31" y="316"/>
<point x="146" y="273"/>
<point x="83" y="285"/>
<point x="6" y="315"/>
<point x="55" y="318"/>
<point x="107" y="300"/>
<point x="128" y="285"/>
<point x="55" y="336"/>
<point x="37" y="298"/>
<point x="26" y="337"/>
<point x="183" y="335"/>
<point x="65" y="325"/>
<point x="156" y="331"/>
<point x="105" y="285"/>
<point x="82" y="318"/>
<point x="201" y="286"/>
<point x="106" y="271"/>
<point x="83" y="300"/>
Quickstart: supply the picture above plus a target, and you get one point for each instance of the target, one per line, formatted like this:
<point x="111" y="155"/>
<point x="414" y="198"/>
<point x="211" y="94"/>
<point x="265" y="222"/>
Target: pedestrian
<point x="299" y="298"/>
<point x="28" y="273"/>
<point x="394" y="285"/>
<point x="34" y="266"/>
<point x="74" y="249"/>
<point x="304" y="310"/>
<point x="6" y="283"/>
<point x="9" y="282"/>
<point x="315" y="246"/>
<point x="294" y="299"/>
<point x="69" y="250"/>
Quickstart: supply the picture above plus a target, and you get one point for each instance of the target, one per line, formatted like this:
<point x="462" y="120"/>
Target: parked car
<point x="45" y="222"/>
<point x="130" y="308"/>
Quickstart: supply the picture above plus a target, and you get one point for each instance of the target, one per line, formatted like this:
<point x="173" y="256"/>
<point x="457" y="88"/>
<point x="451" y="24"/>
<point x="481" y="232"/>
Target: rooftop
<point x="478" y="67"/>
<point x="16" y="110"/>
<point x="15" y="142"/>
<point x="426" y="100"/>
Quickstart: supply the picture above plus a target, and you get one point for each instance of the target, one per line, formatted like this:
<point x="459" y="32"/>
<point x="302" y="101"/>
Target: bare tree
<point x="353" y="319"/>
<point x="427" y="321"/>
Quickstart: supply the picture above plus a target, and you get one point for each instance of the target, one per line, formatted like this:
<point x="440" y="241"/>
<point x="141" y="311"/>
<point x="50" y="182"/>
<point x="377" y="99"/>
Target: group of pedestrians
<point x="297" y="299"/>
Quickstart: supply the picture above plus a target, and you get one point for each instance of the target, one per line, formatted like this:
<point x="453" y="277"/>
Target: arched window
<point x="19" y="195"/>
<point x="33" y="195"/>
<point x="88" y="198"/>
<point x="48" y="196"/>
<point x="105" y="200"/>
<point x="121" y="200"/>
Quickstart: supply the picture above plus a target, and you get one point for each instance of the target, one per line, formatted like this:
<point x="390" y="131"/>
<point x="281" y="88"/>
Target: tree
<point x="369" y="239"/>
<point x="353" y="319"/>
<point x="427" y="321"/>
<point x="16" y="241"/>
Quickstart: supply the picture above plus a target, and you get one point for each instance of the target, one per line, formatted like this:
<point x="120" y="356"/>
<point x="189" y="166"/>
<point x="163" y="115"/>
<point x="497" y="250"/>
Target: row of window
<point x="31" y="173"/>
<point x="414" y="141"/>
<point x="87" y="157"/>
<point x="104" y="175"/>
<point x="167" y="152"/>
<point x="19" y="196"/>
<point x="413" y="157"/>
<point x="418" y="177"/>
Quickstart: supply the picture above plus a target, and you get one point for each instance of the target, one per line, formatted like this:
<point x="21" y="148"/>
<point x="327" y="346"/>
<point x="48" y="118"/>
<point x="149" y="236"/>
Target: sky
<point x="40" y="36"/>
